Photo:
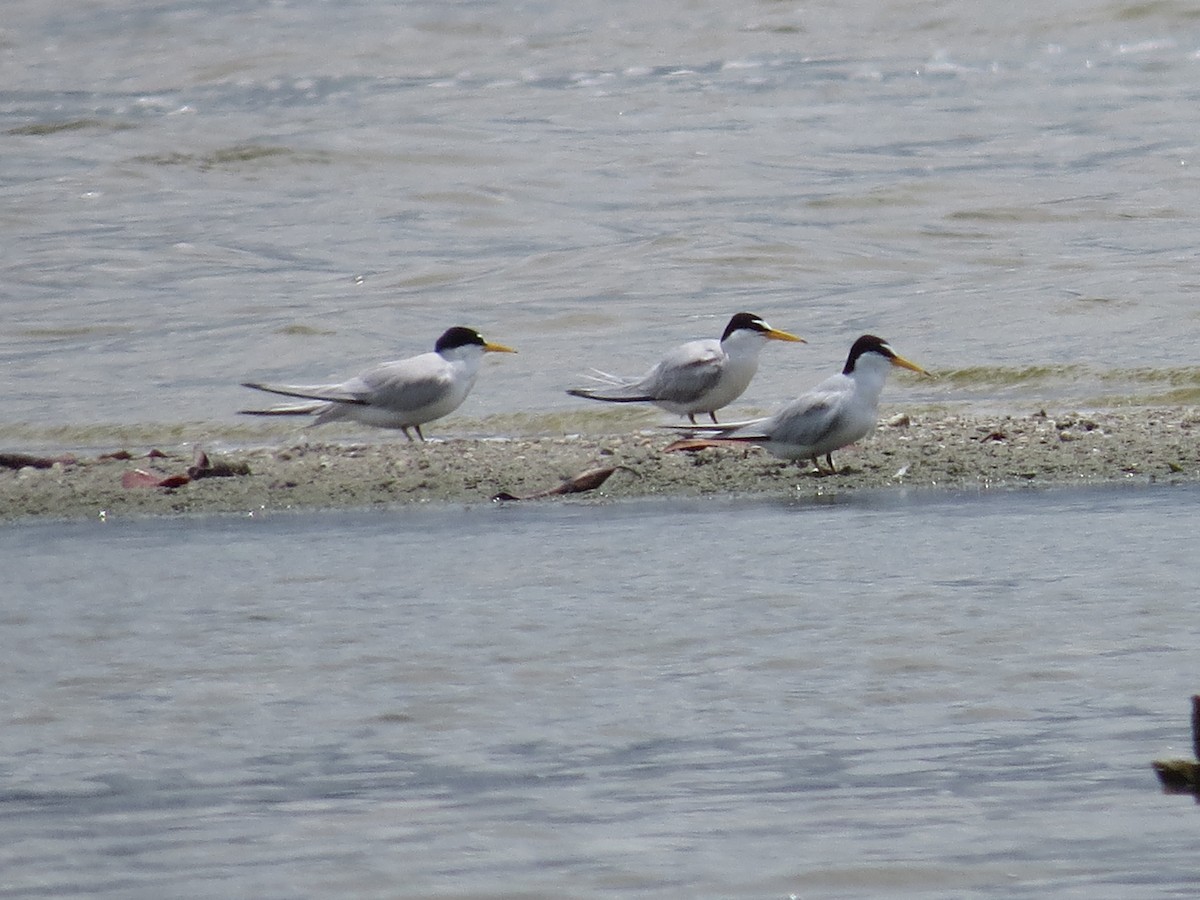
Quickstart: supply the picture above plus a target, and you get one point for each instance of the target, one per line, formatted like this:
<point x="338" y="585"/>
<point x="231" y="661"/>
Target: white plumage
<point x="837" y="412"/>
<point x="699" y="376"/>
<point x="402" y="394"/>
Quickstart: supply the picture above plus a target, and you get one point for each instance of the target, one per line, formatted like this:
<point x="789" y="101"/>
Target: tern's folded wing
<point x="723" y="429"/>
<point x="689" y="372"/>
<point x="807" y="420"/>
<point x="401" y="387"/>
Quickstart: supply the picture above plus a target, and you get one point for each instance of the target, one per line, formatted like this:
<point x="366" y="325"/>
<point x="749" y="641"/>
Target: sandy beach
<point x="932" y="450"/>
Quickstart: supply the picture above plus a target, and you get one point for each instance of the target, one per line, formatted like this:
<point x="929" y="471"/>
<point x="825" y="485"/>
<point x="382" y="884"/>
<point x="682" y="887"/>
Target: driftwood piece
<point x="201" y="467"/>
<point x="141" y="478"/>
<point x="1181" y="776"/>
<point x="28" y="460"/>
<point x="584" y="481"/>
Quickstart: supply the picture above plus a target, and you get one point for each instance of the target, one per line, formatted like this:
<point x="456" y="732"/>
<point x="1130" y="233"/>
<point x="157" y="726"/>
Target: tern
<point x="699" y="376"/>
<point x="402" y="394"/>
<point x="837" y="412"/>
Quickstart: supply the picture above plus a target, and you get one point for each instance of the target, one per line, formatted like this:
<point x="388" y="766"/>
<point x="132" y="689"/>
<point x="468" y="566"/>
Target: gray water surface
<point x="882" y="695"/>
<point x="199" y="194"/>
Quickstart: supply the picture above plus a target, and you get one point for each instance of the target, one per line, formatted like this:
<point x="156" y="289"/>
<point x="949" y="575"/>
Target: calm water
<point x="935" y="695"/>
<point x="200" y="192"/>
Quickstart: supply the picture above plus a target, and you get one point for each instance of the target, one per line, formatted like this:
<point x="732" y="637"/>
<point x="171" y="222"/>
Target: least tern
<point x="403" y="394"/>
<point x="834" y="414"/>
<point x="699" y="376"/>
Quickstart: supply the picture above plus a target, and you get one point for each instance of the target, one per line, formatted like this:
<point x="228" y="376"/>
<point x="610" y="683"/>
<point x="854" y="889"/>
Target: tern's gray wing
<point x="408" y="384"/>
<point x="807" y="421"/>
<point x="721" y="429"/>
<point x="686" y="373"/>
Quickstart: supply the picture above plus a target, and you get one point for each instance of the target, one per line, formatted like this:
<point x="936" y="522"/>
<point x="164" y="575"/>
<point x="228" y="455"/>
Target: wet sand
<point x="930" y="450"/>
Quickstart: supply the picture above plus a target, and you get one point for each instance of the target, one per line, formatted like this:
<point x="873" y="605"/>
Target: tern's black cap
<point x="458" y="336"/>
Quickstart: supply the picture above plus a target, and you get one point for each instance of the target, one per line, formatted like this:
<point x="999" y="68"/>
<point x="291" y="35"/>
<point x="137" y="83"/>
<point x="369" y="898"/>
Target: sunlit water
<point x="197" y="193"/>
<point x="925" y="695"/>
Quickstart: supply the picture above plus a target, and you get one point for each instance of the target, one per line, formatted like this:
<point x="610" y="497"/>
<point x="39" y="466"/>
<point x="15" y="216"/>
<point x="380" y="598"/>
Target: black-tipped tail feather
<point x="612" y="396"/>
<point x="324" y="393"/>
<point x="296" y="409"/>
<point x="315" y="403"/>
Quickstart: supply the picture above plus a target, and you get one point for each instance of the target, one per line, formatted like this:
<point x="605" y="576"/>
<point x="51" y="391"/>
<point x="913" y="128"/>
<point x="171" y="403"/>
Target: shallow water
<point x="887" y="694"/>
<point x="201" y="193"/>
